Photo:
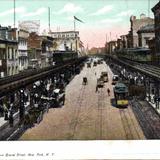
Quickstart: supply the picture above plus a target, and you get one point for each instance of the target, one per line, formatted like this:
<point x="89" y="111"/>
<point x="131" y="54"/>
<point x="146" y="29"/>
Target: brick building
<point x="111" y="46"/>
<point x="8" y="51"/>
<point x="136" y="24"/>
<point x="119" y="43"/>
<point x="145" y="34"/>
<point x="34" y="50"/>
<point x="23" y="49"/>
<point x="124" y="41"/>
<point x="47" y="50"/>
<point x="40" y="49"/>
<point x="152" y="47"/>
<point x="156" y="11"/>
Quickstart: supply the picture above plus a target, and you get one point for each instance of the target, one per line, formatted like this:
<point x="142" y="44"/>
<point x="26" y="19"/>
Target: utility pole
<point x="49" y="14"/>
<point x="110" y="37"/>
<point x="14" y="15"/>
<point x="148" y="8"/>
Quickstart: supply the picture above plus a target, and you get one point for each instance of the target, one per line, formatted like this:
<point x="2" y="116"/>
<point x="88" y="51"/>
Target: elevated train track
<point x="148" y="70"/>
<point x="12" y="83"/>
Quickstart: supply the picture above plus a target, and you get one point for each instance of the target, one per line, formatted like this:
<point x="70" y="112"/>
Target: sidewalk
<point x="5" y="129"/>
<point x="152" y="103"/>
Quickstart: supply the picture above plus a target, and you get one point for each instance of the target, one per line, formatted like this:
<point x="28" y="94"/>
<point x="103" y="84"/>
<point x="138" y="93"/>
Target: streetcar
<point x="121" y="94"/>
<point x="115" y="79"/>
<point x="59" y="57"/>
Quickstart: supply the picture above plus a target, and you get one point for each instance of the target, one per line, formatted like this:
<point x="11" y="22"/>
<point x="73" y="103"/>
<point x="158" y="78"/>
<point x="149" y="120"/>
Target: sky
<point x="103" y="19"/>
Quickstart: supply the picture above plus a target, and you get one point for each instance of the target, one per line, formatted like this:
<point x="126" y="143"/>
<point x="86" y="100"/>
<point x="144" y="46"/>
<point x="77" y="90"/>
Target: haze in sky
<point x="101" y="17"/>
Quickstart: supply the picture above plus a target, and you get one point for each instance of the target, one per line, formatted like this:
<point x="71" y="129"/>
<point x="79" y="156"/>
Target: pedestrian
<point x="108" y="90"/>
<point x="5" y="111"/>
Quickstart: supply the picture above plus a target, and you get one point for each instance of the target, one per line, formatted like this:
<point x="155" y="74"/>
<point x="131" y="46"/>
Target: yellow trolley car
<point x="121" y="94"/>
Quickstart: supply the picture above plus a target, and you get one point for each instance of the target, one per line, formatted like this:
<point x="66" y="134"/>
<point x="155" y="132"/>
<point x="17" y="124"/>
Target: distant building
<point x="145" y="34"/>
<point x="23" y="49"/>
<point x="112" y="45"/>
<point x="96" y="50"/>
<point x="34" y="50"/>
<point x="124" y="41"/>
<point x="30" y="25"/>
<point x="47" y="51"/>
<point x="40" y="49"/>
<point x="156" y="11"/>
<point x="8" y="51"/>
<point x="67" y="40"/>
<point x="119" y="44"/>
<point x="136" y="24"/>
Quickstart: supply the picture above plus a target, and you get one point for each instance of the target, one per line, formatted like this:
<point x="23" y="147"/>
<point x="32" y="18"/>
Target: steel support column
<point x="149" y="94"/>
<point x="22" y="107"/>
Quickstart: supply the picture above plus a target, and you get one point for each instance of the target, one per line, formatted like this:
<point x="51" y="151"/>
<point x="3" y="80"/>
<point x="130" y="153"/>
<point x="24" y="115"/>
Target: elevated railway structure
<point x="13" y="83"/>
<point x="147" y="75"/>
<point x="20" y="93"/>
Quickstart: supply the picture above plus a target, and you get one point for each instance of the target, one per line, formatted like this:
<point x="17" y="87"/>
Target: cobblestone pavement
<point x="87" y="114"/>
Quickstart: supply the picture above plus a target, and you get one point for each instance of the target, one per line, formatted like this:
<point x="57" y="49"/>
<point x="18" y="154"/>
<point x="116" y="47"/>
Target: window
<point x="12" y="53"/>
<point x="8" y="52"/>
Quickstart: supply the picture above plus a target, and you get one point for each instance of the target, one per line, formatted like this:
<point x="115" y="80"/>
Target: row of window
<point x="12" y="53"/>
<point x="5" y="34"/>
<point x="23" y="42"/>
<point x="12" y="70"/>
<point x="64" y="35"/>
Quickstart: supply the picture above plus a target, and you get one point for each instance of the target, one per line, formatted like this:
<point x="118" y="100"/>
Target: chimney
<point x="132" y="18"/>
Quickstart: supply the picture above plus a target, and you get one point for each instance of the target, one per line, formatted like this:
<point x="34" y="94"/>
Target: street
<point x="87" y="114"/>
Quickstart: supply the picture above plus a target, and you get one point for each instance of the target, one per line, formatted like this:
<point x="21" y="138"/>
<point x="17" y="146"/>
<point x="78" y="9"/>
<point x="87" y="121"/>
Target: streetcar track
<point x="126" y="125"/>
<point x="75" y="120"/>
<point x="144" y="122"/>
<point x="135" y="128"/>
<point x="100" y="109"/>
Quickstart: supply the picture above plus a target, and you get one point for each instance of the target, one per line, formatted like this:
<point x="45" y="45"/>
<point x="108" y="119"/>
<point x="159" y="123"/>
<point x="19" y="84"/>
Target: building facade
<point x="34" y="50"/>
<point x="111" y="47"/>
<point x="47" y="50"/>
<point x="23" y="49"/>
<point x="136" y="24"/>
<point x="65" y="41"/>
<point x="145" y="34"/>
<point x="8" y="52"/>
<point x="119" y="43"/>
<point x="124" y="41"/>
<point x="40" y="49"/>
<point x="156" y="11"/>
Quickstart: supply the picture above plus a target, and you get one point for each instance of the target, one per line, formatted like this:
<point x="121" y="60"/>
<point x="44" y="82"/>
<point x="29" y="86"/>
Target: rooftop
<point x="147" y="28"/>
<point x="65" y="32"/>
<point x="156" y="7"/>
